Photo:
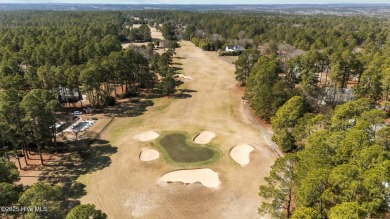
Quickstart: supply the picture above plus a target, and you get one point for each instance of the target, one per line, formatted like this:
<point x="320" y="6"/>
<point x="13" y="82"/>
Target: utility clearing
<point x="130" y="187"/>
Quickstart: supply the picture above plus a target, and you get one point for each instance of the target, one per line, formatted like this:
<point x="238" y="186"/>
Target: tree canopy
<point x="342" y="169"/>
<point x="44" y="196"/>
<point x="86" y="211"/>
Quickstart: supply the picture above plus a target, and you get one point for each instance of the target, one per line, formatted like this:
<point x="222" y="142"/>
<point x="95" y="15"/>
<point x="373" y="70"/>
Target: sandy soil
<point x="29" y="175"/>
<point x="148" y="154"/>
<point x="127" y="188"/>
<point x="204" y="137"/>
<point x="240" y="154"/>
<point x="146" y="136"/>
<point x="206" y="177"/>
<point x="126" y="45"/>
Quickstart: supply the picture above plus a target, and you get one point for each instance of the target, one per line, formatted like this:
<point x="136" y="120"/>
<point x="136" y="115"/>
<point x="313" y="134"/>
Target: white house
<point x="234" y="48"/>
<point x="65" y="94"/>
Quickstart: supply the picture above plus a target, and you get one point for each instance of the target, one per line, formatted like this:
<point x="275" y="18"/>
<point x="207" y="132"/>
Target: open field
<point x="128" y="187"/>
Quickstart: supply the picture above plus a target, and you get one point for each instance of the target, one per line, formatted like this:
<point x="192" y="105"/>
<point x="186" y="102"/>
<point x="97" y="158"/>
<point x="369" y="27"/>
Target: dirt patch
<point x="240" y="154"/>
<point x="29" y="174"/>
<point x="206" y="177"/>
<point x="127" y="45"/>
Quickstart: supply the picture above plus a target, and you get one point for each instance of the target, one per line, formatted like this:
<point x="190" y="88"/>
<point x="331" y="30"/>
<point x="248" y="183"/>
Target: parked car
<point x="77" y="113"/>
<point x="89" y="110"/>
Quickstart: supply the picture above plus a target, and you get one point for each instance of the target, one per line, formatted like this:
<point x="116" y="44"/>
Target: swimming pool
<point x="81" y="126"/>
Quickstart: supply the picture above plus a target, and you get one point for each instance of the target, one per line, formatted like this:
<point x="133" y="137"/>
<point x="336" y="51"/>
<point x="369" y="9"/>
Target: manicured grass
<point x="179" y="148"/>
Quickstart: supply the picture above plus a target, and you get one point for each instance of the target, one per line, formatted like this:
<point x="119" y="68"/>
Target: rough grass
<point x="178" y="148"/>
<point x="117" y="128"/>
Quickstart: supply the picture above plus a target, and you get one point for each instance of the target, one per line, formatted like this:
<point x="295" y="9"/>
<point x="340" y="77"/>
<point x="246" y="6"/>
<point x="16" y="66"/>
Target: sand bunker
<point x="149" y="155"/>
<point x="204" y="137"/>
<point x="206" y="177"/>
<point x="240" y="154"/>
<point x="147" y="136"/>
<point x="184" y="76"/>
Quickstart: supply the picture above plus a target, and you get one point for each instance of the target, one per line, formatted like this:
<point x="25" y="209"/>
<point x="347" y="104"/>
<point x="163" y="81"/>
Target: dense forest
<point x="327" y="104"/>
<point x="48" y="54"/>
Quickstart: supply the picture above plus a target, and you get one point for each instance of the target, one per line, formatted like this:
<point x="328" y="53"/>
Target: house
<point x="340" y="95"/>
<point x="234" y="48"/>
<point x="68" y="95"/>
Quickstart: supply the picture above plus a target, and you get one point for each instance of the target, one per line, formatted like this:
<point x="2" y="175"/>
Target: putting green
<point x="179" y="148"/>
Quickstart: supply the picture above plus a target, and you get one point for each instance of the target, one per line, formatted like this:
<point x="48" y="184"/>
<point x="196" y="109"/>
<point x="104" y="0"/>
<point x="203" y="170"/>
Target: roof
<point x="234" y="47"/>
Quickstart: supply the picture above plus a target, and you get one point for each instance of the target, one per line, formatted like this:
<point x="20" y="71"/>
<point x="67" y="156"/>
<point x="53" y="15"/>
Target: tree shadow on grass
<point x="129" y="109"/>
<point x="176" y="68"/>
<point x="181" y="96"/>
<point x="155" y="95"/>
<point x="81" y="157"/>
<point x="187" y="91"/>
<point x="184" y="93"/>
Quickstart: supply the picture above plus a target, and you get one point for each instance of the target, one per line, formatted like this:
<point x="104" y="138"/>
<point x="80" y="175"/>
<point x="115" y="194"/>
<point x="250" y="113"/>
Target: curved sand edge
<point x="146" y="136"/>
<point x="206" y="177"/>
<point x="148" y="154"/>
<point x="240" y="154"/>
<point x="184" y="76"/>
<point x="204" y="137"/>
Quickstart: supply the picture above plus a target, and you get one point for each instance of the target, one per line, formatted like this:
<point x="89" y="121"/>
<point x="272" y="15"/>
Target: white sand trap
<point x="204" y="137"/>
<point x="147" y="136"/>
<point x="240" y="154"/>
<point x="149" y="154"/>
<point x="206" y="177"/>
<point x="184" y="76"/>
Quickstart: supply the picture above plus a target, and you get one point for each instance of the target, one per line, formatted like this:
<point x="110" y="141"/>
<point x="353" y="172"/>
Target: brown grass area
<point x="229" y="59"/>
<point x="128" y="188"/>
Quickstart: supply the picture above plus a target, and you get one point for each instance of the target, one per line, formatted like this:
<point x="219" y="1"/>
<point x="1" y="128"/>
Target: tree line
<point x="71" y="51"/>
<point x="43" y="53"/>
<point x="341" y="169"/>
<point x="251" y="29"/>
